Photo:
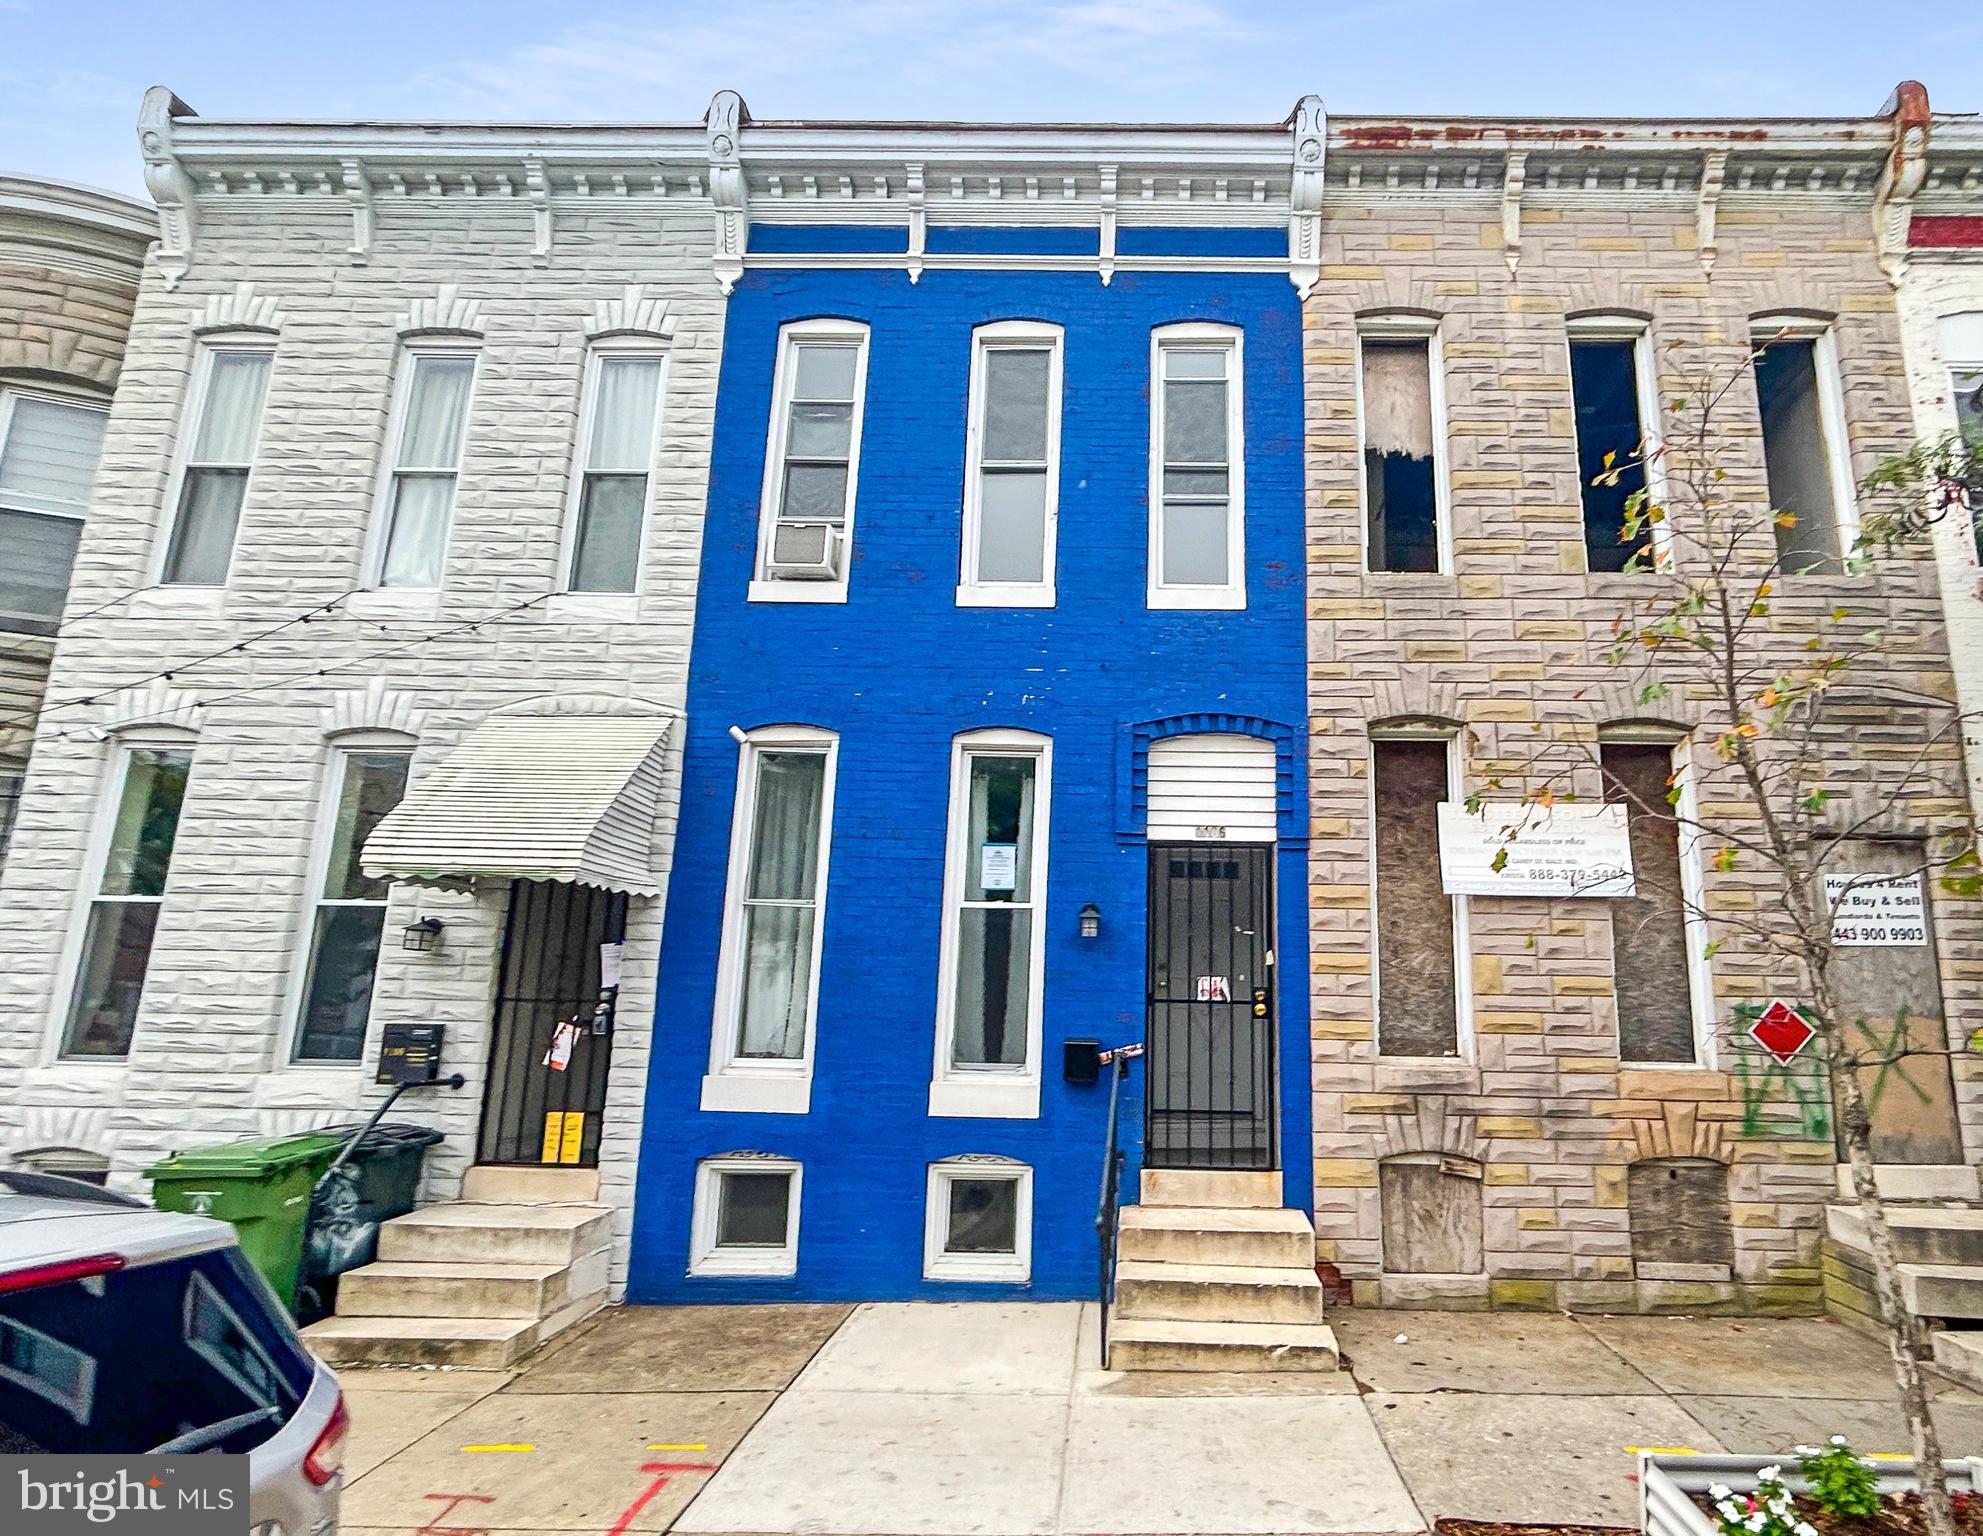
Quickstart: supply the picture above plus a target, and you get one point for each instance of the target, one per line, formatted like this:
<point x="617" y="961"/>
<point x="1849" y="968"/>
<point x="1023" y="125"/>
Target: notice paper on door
<point x="998" y="866"/>
<point x="611" y="958"/>
<point x="1214" y="989"/>
<point x="563" y="1038"/>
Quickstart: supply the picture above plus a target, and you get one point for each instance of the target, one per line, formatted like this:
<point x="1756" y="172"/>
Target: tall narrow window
<point x="213" y="482"/>
<point x="813" y="460"/>
<point x="1651" y="932"/>
<point x="48" y="454"/>
<point x="123" y="915"/>
<point x="1610" y="385"/>
<point x="1402" y="487"/>
<point x="1418" y="924"/>
<point x="1198" y="504"/>
<point x="1803" y="418"/>
<point x="1966" y="392"/>
<point x="1013" y="477"/>
<point x="616" y="464"/>
<point x="350" y="910"/>
<point x="996" y="880"/>
<point x="771" y="935"/>
<point x="426" y="462"/>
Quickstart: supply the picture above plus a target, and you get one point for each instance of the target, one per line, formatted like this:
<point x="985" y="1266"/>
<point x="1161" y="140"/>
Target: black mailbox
<point x="411" y="1053"/>
<point x="1081" y="1061"/>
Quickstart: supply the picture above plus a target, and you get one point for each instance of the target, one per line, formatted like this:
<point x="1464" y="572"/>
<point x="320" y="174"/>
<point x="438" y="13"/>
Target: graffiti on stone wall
<point x="1763" y="1082"/>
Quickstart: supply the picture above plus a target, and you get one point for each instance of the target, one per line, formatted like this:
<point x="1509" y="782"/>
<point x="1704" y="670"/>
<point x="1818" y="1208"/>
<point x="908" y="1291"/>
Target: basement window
<point x="1803" y="417"/>
<point x="1681" y="1223"/>
<point x="979" y="1222"/>
<point x="1402" y="476"/>
<point x="746" y="1218"/>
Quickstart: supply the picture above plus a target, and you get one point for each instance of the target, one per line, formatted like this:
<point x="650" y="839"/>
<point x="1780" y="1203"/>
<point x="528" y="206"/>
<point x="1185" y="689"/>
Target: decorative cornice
<point x="1514" y="177"/>
<point x="1714" y="172"/>
<point x="167" y="181"/>
<point x="239" y="310"/>
<point x="1305" y="190"/>
<point x="357" y="188"/>
<point x="631" y="314"/>
<point x="727" y="187"/>
<point x="375" y="707"/>
<point x="1902" y="176"/>
<point x="446" y="314"/>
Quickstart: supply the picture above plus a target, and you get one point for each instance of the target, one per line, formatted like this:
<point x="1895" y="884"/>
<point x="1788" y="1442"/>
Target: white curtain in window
<point x="779" y="904"/>
<point x="623" y="414"/>
<point x="416" y="550"/>
<point x="233" y="405"/>
<point x="436" y="409"/>
<point x="49" y="458"/>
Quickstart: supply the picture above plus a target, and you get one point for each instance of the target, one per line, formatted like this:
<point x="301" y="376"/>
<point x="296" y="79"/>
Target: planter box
<point x="1666" y="1481"/>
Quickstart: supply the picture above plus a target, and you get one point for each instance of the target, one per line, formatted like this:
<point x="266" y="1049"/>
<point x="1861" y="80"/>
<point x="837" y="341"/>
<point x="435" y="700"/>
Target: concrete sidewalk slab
<point x="385" y="1423"/>
<point x="1530" y="1457"/>
<point x="1243" y="1466"/>
<point x="1769" y="1426"/>
<point x="1760" y="1356"/>
<point x="685" y="1349"/>
<point x="586" y="1461"/>
<point x="893" y="1463"/>
<point x="1481" y="1352"/>
<point x="939" y="1348"/>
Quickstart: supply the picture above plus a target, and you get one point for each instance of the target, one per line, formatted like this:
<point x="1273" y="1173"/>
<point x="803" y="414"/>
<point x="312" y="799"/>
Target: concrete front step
<point x="1210" y="1187"/>
<point x="467" y="1233"/>
<point x="1152" y="1344"/>
<point x="395" y="1288"/>
<point x="1189" y="1234"/>
<point x="1217" y="1293"/>
<point x="1960" y="1352"/>
<point x="503" y="1184"/>
<point x="1942" y="1290"/>
<point x="1922" y="1234"/>
<point x="1917" y="1181"/>
<point x="488" y="1343"/>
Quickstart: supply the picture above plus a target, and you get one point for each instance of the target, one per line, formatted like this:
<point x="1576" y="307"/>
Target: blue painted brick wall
<point x="897" y="672"/>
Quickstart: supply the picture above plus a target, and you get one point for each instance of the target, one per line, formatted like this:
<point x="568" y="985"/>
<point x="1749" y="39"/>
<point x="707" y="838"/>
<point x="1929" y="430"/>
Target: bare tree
<point x="1792" y="686"/>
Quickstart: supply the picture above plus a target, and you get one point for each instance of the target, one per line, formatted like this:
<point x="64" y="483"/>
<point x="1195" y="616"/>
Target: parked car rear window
<point x="127" y="1361"/>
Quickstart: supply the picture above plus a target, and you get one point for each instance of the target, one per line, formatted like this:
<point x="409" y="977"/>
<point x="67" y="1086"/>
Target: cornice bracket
<point x="537" y="187"/>
<point x="1106" y="243"/>
<point x="919" y="219"/>
<point x="1901" y="176"/>
<point x="1311" y="137"/>
<point x="1513" y="178"/>
<point x="358" y="191"/>
<point x="1714" y="171"/>
<point x="727" y="192"/>
<point x="167" y="181"/>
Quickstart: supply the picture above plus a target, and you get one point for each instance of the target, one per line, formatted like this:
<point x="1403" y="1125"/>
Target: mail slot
<point x="411" y="1053"/>
<point x="1081" y="1061"/>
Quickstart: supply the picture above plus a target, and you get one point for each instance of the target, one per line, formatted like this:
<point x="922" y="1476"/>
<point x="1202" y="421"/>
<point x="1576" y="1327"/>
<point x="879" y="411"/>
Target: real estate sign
<point x="1869" y="912"/>
<point x="1558" y="850"/>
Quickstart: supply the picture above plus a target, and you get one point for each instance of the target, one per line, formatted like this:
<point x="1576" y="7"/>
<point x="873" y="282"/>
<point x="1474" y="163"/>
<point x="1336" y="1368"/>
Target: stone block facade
<point x="293" y="654"/>
<point x="1506" y="652"/>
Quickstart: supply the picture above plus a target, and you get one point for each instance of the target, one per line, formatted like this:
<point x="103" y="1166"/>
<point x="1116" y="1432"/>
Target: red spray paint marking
<point x="662" y="1470"/>
<point x="435" y="1528"/>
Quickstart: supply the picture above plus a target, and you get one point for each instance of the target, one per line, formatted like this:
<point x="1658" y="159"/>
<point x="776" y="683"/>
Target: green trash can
<point x="261" y="1187"/>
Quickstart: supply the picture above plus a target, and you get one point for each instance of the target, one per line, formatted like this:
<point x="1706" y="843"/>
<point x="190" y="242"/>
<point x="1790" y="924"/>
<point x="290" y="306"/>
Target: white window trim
<point x="765" y="589"/>
<point x="595" y="360"/>
<point x="1693" y="897"/>
<point x="1409" y="328"/>
<point x="1645" y="379"/>
<point x="96" y="857"/>
<point x="190" y="422"/>
<point x="753" y="1085"/>
<point x="1009" y="1092"/>
<point x="971" y="592"/>
<point x="1964" y="357"/>
<point x="1831" y="413"/>
<point x="1015" y="1268"/>
<point x="705" y="1258"/>
<point x="1466" y="1052"/>
<point x="1231" y="596"/>
<point x="336" y="763"/>
<point x="11" y="392"/>
<point x="382" y="493"/>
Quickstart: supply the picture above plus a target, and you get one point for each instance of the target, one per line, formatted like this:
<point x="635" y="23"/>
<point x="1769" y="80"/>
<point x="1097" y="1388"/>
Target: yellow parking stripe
<point x="499" y="1447"/>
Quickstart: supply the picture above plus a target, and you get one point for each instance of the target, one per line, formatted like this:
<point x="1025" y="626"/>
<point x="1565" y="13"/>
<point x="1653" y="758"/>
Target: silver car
<point x="125" y="1329"/>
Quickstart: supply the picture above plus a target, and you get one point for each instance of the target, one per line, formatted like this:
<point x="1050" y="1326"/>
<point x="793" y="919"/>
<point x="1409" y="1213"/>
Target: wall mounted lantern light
<point x="422" y="934"/>
<point x="1091" y="921"/>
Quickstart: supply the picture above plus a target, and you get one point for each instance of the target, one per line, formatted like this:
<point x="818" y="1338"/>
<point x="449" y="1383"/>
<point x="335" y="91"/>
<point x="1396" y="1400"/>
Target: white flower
<point x="1757" y="1521"/>
<point x="1769" y="1475"/>
<point x="1838" y="1439"/>
<point x="1720" y="1491"/>
<point x="1805" y="1450"/>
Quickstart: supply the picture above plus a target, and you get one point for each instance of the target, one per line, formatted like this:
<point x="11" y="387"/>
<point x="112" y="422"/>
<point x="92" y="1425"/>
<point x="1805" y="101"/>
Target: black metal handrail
<point x="1112" y="1162"/>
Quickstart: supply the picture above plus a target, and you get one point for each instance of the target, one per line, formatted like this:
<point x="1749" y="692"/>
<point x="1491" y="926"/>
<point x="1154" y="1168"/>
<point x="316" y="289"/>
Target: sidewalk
<point x="991" y="1420"/>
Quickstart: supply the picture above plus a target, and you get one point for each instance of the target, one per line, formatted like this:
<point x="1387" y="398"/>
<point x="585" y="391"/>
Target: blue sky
<point x="71" y="71"/>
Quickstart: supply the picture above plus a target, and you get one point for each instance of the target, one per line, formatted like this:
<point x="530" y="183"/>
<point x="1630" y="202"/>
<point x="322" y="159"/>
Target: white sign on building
<point x="1883" y="913"/>
<point x="1559" y="850"/>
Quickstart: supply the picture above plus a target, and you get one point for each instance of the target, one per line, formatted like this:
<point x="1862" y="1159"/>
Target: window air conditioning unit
<point x="805" y="552"/>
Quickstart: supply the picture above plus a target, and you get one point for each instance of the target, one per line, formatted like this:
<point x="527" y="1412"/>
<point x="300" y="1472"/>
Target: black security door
<point x="550" y="972"/>
<point x="1211" y="1007"/>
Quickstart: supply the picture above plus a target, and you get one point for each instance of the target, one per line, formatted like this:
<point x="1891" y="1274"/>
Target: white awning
<point x="533" y="797"/>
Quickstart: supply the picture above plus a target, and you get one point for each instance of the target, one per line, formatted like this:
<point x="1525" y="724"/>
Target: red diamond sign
<point x="1782" y="1031"/>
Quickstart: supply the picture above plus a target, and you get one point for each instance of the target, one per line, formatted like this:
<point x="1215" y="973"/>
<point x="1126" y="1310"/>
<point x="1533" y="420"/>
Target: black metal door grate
<point x="550" y="972"/>
<point x="1210" y="1083"/>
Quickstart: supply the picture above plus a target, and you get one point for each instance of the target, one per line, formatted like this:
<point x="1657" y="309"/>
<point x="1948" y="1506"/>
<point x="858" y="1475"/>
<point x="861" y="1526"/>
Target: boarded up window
<point x="1649" y="930"/>
<point x="1679" y="1210"/>
<point x="1604" y="382"/>
<point x="1417" y="1008"/>
<point x="1432" y="1217"/>
<point x="1397" y="454"/>
<point x="1910" y="1096"/>
<point x="1794" y="451"/>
